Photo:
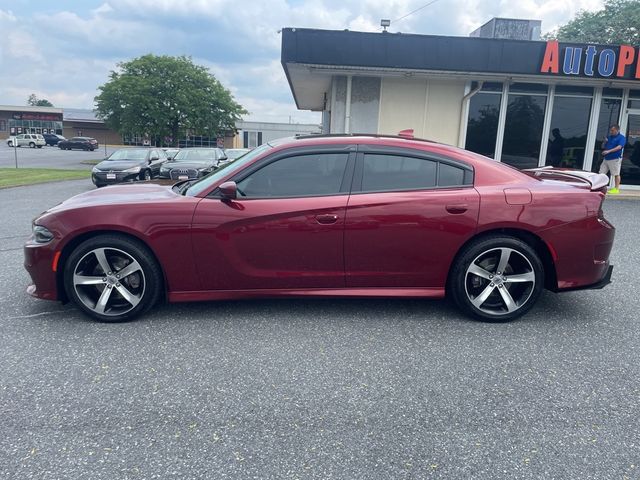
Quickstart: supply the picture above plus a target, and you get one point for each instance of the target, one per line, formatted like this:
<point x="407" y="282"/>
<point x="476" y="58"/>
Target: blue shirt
<point x="612" y="142"/>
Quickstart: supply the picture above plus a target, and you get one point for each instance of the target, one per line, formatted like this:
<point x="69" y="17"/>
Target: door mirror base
<point x="228" y="190"/>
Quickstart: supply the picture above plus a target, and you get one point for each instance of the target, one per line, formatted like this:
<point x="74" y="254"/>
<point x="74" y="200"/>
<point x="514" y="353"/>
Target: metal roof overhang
<point x="311" y="58"/>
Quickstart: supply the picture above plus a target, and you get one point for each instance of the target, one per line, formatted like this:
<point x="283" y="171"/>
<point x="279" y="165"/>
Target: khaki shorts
<point x="612" y="166"/>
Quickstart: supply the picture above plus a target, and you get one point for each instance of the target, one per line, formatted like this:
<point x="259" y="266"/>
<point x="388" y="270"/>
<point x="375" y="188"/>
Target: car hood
<point x="188" y="165"/>
<point x="119" y="165"/>
<point x="127" y="194"/>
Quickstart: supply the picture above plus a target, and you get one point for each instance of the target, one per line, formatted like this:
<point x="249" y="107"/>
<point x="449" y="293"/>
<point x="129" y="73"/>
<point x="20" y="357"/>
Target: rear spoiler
<point x="595" y="181"/>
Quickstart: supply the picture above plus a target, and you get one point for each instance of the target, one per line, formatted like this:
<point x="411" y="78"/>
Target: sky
<point x="64" y="50"/>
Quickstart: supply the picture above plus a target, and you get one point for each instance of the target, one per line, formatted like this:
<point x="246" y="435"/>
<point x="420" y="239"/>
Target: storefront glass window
<point x="523" y="130"/>
<point x="609" y="114"/>
<point x="568" y="131"/>
<point x="630" y="171"/>
<point x="482" y="126"/>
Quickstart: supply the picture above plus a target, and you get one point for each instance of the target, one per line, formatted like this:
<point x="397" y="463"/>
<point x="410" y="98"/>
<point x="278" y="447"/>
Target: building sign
<point x="592" y="61"/>
<point x="47" y="117"/>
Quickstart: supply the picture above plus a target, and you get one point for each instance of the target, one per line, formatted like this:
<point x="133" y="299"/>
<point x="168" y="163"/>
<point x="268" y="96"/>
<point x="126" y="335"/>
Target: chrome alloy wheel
<point x="109" y="281"/>
<point x="500" y="281"/>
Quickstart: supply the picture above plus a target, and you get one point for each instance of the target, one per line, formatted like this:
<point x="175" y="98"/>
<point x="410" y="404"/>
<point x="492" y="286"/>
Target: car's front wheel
<point x="113" y="278"/>
<point x="145" y="175"/>
<point x="497" y="278"/>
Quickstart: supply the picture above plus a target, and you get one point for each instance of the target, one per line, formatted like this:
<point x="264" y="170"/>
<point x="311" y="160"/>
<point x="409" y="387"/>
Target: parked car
<point x="52" y="139"/>
<point x="128" y="165"/>
<point x="79" y="143"/>
<point x="233" y="153"/>
<point x="361" y="216"/>
<point x="171" y="152"/>
<point x="31" y="140"/>
<point x="192" y="163"/>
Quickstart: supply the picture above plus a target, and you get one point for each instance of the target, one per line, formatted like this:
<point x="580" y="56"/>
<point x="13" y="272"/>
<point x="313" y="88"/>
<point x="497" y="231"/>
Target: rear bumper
<point x="581" y="253"/>
<point x="603" y="282"/>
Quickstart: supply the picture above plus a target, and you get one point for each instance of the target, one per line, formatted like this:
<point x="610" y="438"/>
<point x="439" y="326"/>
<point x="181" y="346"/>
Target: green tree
<point x="38" y="102"/>
<point x="164" y="96"/>
<point x="617" y="23"/>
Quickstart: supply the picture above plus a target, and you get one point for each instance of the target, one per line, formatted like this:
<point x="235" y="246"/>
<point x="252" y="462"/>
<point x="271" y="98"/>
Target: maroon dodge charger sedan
<point x="335" y="216"/>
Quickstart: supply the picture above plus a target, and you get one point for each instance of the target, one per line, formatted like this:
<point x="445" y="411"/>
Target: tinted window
<point x="450" y="176"/>
<point x="391" y="172"/>
<point x="319" y="174"/>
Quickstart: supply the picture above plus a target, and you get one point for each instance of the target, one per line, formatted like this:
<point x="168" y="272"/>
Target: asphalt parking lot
<point x="50" y="157"/>
<point x="319" y="388"/>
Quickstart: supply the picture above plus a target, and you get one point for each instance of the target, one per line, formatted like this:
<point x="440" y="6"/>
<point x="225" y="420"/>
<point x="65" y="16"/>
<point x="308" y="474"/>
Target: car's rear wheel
<point x="32" y="145"/>
<point x="112" y="278"/>
<point x="10" y="144"/>
<point x="497" y="278"/>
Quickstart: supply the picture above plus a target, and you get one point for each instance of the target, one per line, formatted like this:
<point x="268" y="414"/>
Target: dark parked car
<point x="78" y="143"/>
<point x="128" y="165"/>
<point x="171" y="152"/>
<point x="360" y="216"/>
<point x="52" y="139"/>
<point x="192" y="163"/>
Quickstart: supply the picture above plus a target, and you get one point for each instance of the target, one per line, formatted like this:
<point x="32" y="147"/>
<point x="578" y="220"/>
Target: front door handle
<point x="457" y="208"/>
<point x="327" y="219"/>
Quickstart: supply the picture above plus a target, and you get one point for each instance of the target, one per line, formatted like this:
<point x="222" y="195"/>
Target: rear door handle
<point x="327" y="219"/>
<point x="457" y="208"/>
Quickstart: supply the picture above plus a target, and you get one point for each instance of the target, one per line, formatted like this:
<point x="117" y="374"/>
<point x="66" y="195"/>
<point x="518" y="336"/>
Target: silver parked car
<point x="31" y="140"/>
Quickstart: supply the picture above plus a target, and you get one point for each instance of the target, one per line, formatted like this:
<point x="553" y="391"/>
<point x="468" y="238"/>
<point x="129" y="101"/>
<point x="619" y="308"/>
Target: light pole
<point x="15" y="149"/>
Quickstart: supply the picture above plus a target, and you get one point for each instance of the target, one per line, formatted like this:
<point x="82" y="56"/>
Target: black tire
<point x="10" y="144"/>
<point x="39" y="146"/>
<point x="145" y="175"/>
<point x="501" y="287"/>
<point x="32" y="145"/>
<point x="146" y="290"/>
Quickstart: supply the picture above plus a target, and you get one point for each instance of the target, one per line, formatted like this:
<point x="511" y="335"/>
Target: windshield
<point x="225" y="170"/>
<point x="129" y="154"/>
<point x="235" y="153"/>
<point x="190" y="155"/>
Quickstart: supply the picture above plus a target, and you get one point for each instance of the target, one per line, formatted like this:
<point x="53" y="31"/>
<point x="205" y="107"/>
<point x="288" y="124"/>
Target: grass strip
<point x="15" y="177"/>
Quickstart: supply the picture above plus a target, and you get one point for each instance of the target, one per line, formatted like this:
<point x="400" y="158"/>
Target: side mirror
<point x="229" y="190"/>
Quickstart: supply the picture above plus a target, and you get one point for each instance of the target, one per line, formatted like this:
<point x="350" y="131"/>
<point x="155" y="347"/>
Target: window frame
<point x="347" y="176"/>
<point x="469" y="176"/>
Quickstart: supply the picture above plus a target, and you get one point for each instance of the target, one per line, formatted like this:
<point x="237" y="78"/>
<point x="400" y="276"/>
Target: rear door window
<point x="388" y="172"/>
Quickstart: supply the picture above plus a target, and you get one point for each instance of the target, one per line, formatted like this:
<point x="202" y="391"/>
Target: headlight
<point x="132" y="170"/>
<point x="95" y="170"/>
<point x="41" y="234"/>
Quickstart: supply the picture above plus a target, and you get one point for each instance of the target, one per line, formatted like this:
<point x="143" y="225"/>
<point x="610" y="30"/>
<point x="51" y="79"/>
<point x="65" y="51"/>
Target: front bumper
<point x="100" y="179"/>
<point x="39" y="263"/>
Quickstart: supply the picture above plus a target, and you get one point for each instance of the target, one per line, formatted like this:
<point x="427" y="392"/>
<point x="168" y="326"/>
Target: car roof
<point x="473" y="159"/>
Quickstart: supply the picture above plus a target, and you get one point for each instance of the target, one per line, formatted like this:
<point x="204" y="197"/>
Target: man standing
<point x="612" y="153"/>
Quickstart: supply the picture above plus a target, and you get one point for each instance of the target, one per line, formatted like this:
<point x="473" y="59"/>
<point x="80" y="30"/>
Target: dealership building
<point x="500" y="92"/>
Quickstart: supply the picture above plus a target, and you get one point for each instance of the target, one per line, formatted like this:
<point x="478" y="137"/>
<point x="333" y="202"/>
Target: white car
<point x="31" y="140"/>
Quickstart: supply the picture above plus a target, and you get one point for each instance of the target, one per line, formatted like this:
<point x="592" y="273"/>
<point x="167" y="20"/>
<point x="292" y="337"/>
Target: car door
<point x="284" y="230"/>
<point x="407" y="216"/>
<point x="21" y="139"/>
